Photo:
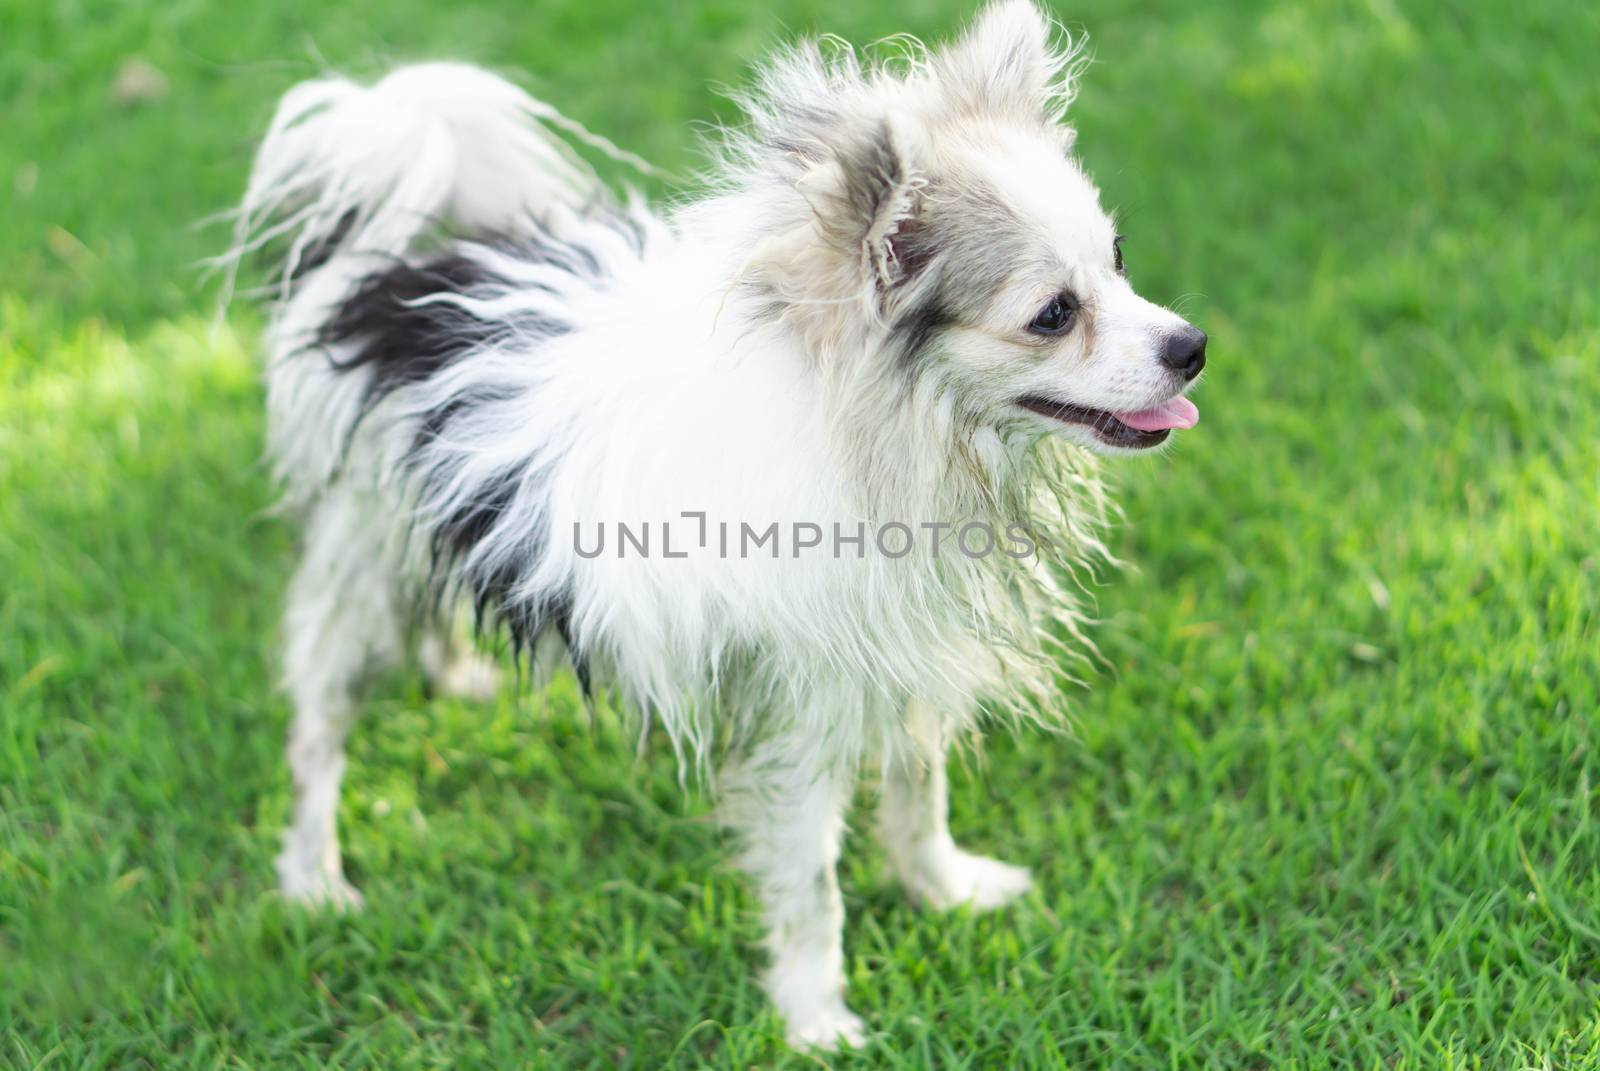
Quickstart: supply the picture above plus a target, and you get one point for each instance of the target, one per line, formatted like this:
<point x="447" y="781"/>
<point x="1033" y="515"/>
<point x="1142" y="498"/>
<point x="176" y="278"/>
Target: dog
<point x="802" y="470"/>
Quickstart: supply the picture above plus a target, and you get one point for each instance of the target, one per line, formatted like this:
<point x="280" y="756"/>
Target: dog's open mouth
<point x="1131" y="430"/>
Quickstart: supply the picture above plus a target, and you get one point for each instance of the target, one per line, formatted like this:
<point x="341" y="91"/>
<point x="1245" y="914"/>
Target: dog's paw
<point x="317" y="890"/>
<point x="470" y="676"/>
<point x="824" y="1027"/>
<point x="330" y="894"/>
<point x="455" y="668"/>
<point x="974" y="880"/>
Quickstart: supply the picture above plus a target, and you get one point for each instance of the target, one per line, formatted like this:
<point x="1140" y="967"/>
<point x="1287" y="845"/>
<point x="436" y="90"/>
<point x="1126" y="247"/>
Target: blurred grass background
<point x="1333" y="806"/>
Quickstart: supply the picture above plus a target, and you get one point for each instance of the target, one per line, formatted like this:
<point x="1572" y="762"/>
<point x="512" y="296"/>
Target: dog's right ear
<point x="869" y="203"/>
<point x="1006" y="62"/>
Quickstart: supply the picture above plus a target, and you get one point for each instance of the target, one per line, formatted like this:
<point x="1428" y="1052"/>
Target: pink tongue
<point x="1178" y="413"/>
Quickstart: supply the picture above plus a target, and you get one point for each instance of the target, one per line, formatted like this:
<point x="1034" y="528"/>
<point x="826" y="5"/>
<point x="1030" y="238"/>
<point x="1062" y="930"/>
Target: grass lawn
<point x="1332" y="805"/>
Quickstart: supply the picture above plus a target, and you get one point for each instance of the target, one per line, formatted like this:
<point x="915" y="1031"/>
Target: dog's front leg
<point x="786" y="802"/>
<point x="914" y="825"/>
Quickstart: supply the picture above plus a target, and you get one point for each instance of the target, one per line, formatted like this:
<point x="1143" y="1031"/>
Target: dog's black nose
<point x="1184" y="351"/>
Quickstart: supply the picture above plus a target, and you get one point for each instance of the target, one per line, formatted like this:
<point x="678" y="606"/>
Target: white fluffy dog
<point x="792" y="469"/>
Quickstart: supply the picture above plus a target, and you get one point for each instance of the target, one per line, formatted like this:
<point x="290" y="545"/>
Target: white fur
<point x="745" y="357"/>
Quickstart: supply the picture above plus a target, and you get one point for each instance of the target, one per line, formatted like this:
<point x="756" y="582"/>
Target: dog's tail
<point x="438" y="148"/>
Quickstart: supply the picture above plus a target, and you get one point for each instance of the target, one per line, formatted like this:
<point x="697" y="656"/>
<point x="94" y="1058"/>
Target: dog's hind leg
<point x="787" y="802"/>
<point x="453" y="664"/>
<point x="344" y="620"/>
<point x="914" y="825"/>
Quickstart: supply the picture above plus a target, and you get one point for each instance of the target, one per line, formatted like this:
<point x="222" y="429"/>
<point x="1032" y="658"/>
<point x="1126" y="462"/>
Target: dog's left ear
<point x="869" y="203"/>
<point x="1005" y="63"/>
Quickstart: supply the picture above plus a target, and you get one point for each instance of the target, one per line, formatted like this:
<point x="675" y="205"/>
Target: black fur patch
<point x="388" y="327"/>
<point x="917" y="327"/>
<point x="489" y="586"/>
<point x="405" y="342"/>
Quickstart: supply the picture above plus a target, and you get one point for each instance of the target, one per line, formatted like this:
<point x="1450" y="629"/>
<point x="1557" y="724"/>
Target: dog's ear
<point x="869" y="202"/>
<point x="1005" y="62"/>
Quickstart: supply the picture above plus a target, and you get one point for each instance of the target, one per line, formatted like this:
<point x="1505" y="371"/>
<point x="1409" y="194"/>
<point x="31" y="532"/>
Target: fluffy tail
<point x="439" y="147"/>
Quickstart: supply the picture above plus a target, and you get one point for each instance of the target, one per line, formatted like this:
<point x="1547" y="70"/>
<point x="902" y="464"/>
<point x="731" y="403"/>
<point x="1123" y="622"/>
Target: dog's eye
<point x="1056" y="317"/>
<point x="1116" y="254"/>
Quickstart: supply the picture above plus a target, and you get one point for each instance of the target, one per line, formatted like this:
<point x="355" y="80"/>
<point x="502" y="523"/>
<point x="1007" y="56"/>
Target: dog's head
<point x="944" y="216"/>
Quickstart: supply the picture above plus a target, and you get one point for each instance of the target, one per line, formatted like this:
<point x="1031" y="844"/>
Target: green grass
<point x="1334" y="805"/>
